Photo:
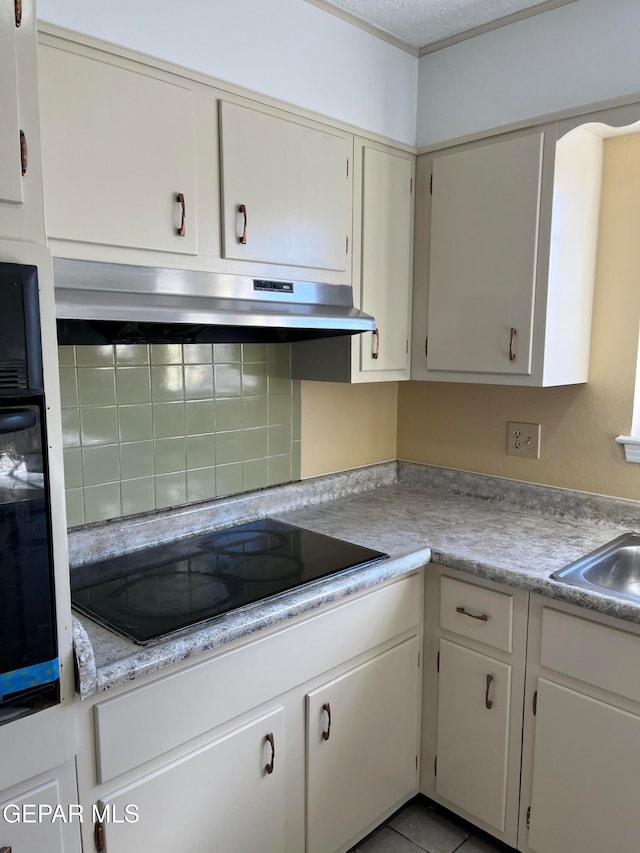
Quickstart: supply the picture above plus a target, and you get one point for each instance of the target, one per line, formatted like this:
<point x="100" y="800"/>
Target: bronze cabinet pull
<point x="376" y="352"/>
<point x="482" y="618"/>
<point x="5" y="849"/>
<point x="488" y="703"/>
<point x="18" y="10"/>
<point x="242" y="209"/>
<point x="269" y="767"/>
<point x="327" y="734"/>
<point x="24" y="154"/>
<point x="182" y="230"/>
<point x="98" y="836"/>
<point x="513" y="333"/>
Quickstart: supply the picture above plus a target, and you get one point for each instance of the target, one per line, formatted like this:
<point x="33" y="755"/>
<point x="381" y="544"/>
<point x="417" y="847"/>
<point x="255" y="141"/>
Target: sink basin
<point x="615" y="567"/>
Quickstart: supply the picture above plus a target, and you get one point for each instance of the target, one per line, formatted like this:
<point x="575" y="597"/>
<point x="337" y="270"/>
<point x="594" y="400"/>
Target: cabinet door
<point x="10" y="170"/>
<point x="362" y="747"/>
<point x="387" y="229"/>
<point x="220" y="798"/>
<point x="21" y="205"/>
<point x="586" y="775"/>
<point x="29" y="822"/>
<point x="292" y="180"/>
<point x="31" y="835"/>
<point x="482" y="269"/>
<point x="473" y="728"/>
<point x="118" y="148"/>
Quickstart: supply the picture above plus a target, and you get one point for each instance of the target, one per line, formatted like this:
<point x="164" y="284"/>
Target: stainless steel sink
<point x="615" y="567"/>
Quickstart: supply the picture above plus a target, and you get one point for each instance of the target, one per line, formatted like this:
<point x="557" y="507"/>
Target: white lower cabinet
<point x="473" y="732"/>
<point x="36" y="817"/>
<point x="227" y="796"/>
<point x="362" y="747"/>
<point x="581" y="747"/>
<point x="586" y="775"/>
<point x="567" y="779"/>
<point x="475" y="644"/>
<point x="228" y="754"/>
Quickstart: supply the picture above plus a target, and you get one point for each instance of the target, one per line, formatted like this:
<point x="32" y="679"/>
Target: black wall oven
<point x="29" y="666"/>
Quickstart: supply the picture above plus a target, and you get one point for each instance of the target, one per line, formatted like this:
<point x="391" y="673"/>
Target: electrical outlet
<point x="523" y="440"/>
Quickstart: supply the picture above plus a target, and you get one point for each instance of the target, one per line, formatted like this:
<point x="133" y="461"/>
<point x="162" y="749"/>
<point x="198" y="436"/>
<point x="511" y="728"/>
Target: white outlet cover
<point x="523" y="439"/>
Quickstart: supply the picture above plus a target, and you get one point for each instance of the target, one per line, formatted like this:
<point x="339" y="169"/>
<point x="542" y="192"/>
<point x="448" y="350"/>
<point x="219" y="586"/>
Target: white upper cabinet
<point x="386" y="245"/>
<point x="286" y="191"/>
<point x="119" y="155"/>
<point x="505" y="259"/>
<point x="382" y="275"/>
<point x="21" y="212"/>
<point x="10" y="169"/>
<point x="484" y="234"/>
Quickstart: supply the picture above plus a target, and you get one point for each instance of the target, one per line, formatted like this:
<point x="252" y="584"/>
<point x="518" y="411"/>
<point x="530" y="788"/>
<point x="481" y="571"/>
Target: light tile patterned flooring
<point x="418" y="828"/>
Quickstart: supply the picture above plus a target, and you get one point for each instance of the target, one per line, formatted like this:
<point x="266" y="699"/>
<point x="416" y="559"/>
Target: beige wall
<point x="464" y="426"/>
<point x="346" y="426"/>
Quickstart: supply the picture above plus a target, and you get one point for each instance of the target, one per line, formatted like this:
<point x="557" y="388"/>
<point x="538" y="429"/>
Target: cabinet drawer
<point x="602" y="656"/>
<point x="476" y="612"/>
<point x="146" y="722"/>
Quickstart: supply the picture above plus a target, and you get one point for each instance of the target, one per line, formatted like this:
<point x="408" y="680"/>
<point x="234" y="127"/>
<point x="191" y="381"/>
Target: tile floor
<point x="419" y="828"/>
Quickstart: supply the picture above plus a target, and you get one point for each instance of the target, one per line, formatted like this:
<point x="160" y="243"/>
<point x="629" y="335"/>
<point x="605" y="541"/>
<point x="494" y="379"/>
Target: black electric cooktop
<point x="147" y="594"/>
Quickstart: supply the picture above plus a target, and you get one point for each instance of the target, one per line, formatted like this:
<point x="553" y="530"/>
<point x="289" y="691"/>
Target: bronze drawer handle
<point x="327" y="734"/>
<point x="376" y="351"/>
<point x="513" y="333"/>
<point x="482" y="618"/>
<point x="269" y="767"/>
<point x="242" y="210"/>
<point x="18" y="10"/>
<point x="488" y="703"/>
<point x="182" y="230"/>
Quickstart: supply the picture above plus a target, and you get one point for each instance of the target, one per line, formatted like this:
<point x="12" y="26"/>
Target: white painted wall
<point x="287" y="49"/>
<point x="580" y="53"/>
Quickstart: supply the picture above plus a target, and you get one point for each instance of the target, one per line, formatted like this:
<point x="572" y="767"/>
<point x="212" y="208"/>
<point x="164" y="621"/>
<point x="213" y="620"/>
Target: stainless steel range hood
<point x="117" y="303"/>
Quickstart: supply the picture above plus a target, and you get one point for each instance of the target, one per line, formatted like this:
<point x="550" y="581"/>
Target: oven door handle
<point x="15" y="420"/>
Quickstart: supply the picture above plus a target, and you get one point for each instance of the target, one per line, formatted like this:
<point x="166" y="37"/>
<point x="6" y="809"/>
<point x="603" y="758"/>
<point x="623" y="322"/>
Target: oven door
<point x="28" y="648"/>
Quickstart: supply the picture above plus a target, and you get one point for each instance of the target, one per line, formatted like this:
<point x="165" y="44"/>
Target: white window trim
<point x="632" y="442"/>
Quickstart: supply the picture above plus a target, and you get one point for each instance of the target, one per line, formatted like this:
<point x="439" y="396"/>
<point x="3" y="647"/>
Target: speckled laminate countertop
<point x="510" y="532"/>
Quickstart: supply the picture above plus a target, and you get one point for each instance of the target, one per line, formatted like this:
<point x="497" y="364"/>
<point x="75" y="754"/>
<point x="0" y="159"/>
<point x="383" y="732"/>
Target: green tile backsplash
<point x="149" y="427"/>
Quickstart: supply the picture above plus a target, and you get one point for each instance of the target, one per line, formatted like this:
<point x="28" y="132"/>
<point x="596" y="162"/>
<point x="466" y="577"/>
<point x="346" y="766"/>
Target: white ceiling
<point x="423" y="23"/>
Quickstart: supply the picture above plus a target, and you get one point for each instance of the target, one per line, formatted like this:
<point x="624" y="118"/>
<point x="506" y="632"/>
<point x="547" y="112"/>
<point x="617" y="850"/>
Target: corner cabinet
<point x="505" y="259"/>
<point x="382" y="275"/>
<point x="475" y="639"/>
<point x="286" y="190"/>
<point x="21" y="205"/>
